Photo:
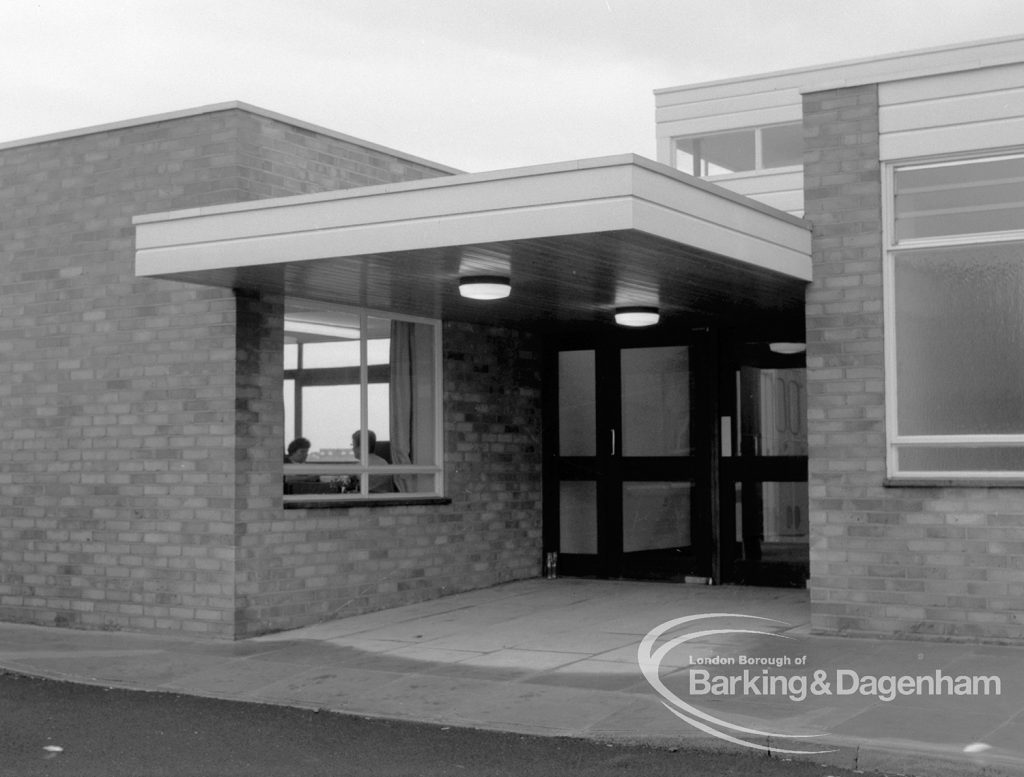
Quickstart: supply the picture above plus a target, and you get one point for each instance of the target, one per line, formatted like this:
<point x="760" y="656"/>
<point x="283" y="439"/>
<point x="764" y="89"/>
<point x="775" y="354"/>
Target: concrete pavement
<point x="559" y="657"/>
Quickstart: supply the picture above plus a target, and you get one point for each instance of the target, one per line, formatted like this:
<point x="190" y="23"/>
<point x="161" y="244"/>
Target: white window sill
<point x="324" y="501"/>
<point x="955" y="481"/>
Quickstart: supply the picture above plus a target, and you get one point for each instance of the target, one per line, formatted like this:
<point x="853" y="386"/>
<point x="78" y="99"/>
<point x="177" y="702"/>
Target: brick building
<point x="908" y="171"/>
<point x="138" y="485"/>
<point x="729" y="366"/>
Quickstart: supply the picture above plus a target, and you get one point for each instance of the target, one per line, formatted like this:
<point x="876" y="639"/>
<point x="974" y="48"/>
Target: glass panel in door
<point x="578" y="512"/>
<point x="656" y="401"/>
<point x="624" y="465"/>
<point x="656" y="537"/>
<point x="578" y="467"/>
<point x="655" y="515"/>
<point x="577" y="403"/>
<point x="772" y="500"/>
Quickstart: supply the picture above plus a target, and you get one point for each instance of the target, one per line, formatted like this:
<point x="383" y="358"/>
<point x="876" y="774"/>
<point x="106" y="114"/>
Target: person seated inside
<point x="379" y="484"/>
<point x="298" y="451"/>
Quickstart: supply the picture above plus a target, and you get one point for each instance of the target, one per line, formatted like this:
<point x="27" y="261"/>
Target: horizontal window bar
<point x="965" y="441"/>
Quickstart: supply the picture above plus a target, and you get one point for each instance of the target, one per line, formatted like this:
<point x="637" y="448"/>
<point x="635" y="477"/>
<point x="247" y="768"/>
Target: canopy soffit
<point x="576" y="239"/>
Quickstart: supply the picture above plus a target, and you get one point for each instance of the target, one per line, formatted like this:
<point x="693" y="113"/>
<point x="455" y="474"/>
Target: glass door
<point x="578" y="468"/>
<point x="771" y="471"/>
<point x="624" y="464"/>
<point x="656" y="464"/>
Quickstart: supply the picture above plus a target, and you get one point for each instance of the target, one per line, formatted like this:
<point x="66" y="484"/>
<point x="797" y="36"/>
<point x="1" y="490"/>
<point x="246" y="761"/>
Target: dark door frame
<point x="749" y="468"/>
<point x="609" y="469"/>
<point x="715" y="358"/>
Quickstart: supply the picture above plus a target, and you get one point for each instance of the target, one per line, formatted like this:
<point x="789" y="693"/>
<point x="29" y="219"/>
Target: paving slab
<point x="559" y="657"/>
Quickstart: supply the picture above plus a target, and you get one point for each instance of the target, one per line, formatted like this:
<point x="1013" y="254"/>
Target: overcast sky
<point x="475" y="84"/>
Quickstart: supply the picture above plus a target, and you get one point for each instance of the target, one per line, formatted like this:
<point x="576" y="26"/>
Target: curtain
<point x="411" y="400"/>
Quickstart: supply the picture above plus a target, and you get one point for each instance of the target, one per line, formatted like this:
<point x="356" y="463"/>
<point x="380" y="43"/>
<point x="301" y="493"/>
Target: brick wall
<point x="932" y="562"/>
<point x="302" y="566"/>
<point x="278" y="159"/>
<point x="128" y="424"/>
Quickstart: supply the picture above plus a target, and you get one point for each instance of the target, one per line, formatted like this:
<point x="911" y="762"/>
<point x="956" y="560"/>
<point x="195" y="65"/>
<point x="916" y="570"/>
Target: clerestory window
<point x="738" y="151"/>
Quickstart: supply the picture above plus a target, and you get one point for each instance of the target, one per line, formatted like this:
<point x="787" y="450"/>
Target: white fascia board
<point x="404" y="235"/>
<point x="733" y="105"/>
<point x="458" y="210"/>
<point x="730" y="121"/>
<point x="584" y="197"/>
<point x="727" y="225"/>
<point x="662" y="183"/>
<point x="964" y="138"/>
<point x="739" y="245"/>
<point x="385" y="204"/>
<point x="870" y="70"/>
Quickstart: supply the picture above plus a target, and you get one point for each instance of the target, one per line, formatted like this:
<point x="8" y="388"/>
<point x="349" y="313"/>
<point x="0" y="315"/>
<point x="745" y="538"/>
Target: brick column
<point x="259" y="430"/>
<point x="845" y="363"/>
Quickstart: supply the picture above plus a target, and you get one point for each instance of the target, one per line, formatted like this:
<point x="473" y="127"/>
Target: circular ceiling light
<point x="787" y="348"/>
<point x="485" y="287"/>
<point x="637" y="316"/>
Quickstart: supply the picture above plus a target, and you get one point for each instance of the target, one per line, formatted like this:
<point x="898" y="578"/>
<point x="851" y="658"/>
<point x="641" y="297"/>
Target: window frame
<point x="891" y="249"/>
<point x="759" y="166"/>
<point x="362" y="469"/>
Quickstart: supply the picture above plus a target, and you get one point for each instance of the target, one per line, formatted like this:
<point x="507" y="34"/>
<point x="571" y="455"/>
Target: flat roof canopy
<point x="577" y="240"/>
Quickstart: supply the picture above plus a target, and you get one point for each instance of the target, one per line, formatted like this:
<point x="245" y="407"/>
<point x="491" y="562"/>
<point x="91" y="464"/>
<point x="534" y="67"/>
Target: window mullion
<point x="364" y="401"/>
<point x="889" y="316"/>
<point x="297" y="390"/>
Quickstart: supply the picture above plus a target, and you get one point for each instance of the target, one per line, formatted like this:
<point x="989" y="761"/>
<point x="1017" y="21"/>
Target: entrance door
<point x="623" y="476"/>
<point x="771" y="470"/>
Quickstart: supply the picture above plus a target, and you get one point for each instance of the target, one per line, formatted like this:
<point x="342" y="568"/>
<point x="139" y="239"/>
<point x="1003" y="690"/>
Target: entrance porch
<point x="576" y="242"/>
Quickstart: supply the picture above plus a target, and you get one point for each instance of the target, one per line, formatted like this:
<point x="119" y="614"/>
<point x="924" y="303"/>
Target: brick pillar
<point x="845" y="366"/>
<point x="259" y="429"/>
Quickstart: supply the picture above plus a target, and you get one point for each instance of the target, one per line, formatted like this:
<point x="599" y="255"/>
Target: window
<point x="757" y="148"/>
<point x="955" y="319"/>
<point x="363" y="389"/>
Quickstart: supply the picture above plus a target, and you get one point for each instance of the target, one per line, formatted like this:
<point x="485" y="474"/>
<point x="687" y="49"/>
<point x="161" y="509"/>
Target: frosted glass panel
<point x="577" y="420"/>
<point x="960" y="340"/>
<point x="577" y="516"/>
<point x="655" y="516"/>
<point x="656" y="401"/>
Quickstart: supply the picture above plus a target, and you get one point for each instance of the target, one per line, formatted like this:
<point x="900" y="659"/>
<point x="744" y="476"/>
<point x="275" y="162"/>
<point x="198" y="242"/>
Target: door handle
<point x="613" y="441"/>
